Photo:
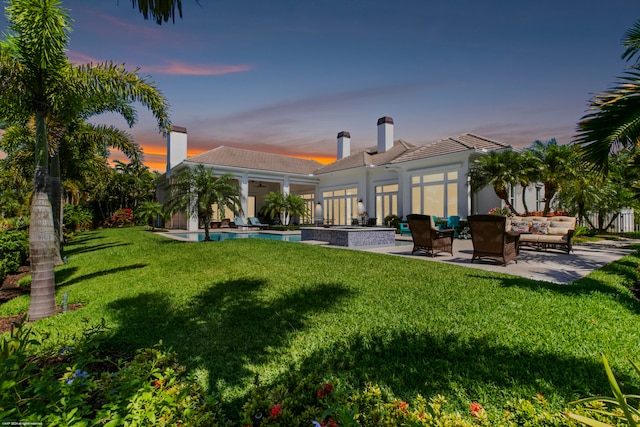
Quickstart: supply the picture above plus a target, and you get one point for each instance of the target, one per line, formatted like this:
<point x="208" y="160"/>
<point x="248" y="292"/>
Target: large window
<point x="386" y="201"/>
<point x="309" y="203"/>
<point x="340" y="206"/>
<point x="435" y="194"/>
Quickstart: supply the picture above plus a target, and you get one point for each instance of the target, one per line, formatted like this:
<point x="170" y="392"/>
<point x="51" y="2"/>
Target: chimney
<point x="344" y="145"/>
<point x="385" y="134"/>
<point x="176" y="147"/>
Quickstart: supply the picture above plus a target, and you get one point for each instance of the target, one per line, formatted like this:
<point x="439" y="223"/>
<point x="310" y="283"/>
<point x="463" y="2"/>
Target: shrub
<point x="14" y="250"/>
<point x="585" y="231"/>
<point x="392" y="221"/>
<point x="77" y="218"/>
<point x="122" y="218"/>
<point x="85" y="386"/>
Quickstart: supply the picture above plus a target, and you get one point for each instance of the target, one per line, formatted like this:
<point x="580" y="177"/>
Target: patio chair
<point x="427" y="238"/>
<point x="255" y="222"/>
<point x="225" y="223"/>
<point x="491" y="239"/>
<point x="452" y="222"/>
<point x="404" y="228"/>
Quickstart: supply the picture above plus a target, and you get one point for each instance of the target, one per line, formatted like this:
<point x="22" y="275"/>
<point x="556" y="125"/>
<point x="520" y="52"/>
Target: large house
<point x="391" y="177"/>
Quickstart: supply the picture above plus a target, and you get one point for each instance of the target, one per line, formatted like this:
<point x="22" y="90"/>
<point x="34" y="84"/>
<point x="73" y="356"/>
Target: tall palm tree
<point x="553" y="161"/>
<point x="496" y="169"/>
<point x="32" y="63"/>
<point x="37" y="80"/>
<point x="612" y="121"/>
<point x="197" y="190"/>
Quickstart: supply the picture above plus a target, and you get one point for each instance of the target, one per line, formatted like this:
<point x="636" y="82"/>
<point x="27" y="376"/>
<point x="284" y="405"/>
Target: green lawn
<point x="239" y="308"/>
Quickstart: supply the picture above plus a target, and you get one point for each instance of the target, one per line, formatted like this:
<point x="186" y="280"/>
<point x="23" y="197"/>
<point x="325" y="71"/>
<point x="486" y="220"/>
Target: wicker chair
<point x="492" y="240"/>
<point x="427" y="238"/>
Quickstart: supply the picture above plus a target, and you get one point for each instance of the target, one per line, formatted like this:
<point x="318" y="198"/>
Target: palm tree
<point x="525" y="173"/>
<point x="149" y="212"/>
<point x="32" y="62"/>
<point x="295" y="206"/>
<point x="613" y="118"/>
<point x="553" y="162"/>
<point x="159" y="10"/>
<point x="37" y="80"/>
<point x="196" y="190"/>
<point x="496" y="169"/>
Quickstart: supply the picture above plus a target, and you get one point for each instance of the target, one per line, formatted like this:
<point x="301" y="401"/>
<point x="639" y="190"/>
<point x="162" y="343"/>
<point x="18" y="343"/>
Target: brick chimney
<point x="176" y="147"/>
<point x="385" y="134"/>
<point x="344" y="145"/>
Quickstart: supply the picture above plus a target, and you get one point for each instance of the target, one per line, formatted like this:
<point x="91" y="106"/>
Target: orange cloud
<point x="185" y="69"/>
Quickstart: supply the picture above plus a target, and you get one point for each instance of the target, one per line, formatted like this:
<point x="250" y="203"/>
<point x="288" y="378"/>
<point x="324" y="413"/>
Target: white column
<point x="244" y="194"/>
<point x="286" y="186"/>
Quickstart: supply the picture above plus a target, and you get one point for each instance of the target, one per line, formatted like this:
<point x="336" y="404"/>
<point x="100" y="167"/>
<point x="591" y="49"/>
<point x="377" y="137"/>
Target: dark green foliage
<point x="84" y="385"/>
<point x="14" y="250"/>
<point x="77" y="218"/>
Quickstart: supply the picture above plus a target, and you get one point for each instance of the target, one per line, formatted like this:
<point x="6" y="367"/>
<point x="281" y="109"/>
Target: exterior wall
<point x="365" y="179"/>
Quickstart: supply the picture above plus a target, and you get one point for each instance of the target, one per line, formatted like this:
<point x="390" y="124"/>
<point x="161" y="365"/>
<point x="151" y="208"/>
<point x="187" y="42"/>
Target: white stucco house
<point x="390" y="177"/>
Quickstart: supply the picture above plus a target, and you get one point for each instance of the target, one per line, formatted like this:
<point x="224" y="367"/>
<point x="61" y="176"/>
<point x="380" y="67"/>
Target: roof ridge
<point x="488" y="139"/>
<point x="455" y="139"/>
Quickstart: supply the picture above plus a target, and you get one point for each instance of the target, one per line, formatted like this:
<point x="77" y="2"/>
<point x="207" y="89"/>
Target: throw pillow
<point x="539" y="227"/>
<point x="519" y="226"/>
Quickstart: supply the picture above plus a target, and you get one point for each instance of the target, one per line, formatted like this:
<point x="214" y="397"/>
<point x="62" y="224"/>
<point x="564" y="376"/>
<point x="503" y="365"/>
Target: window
<point x="340" y="206"/>
<point x="386" y="202"/>
<point x="435" y="193"/>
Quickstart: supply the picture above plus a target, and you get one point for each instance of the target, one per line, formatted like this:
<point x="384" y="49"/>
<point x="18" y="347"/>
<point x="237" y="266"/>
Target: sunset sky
<point x="285" y="76"/>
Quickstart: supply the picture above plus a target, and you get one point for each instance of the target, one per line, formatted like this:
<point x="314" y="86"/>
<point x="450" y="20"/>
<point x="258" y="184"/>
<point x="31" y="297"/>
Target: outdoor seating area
<point x="544" y="232"/>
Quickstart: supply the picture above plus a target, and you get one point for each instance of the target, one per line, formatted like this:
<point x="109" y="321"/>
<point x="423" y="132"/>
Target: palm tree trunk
<point x="524" y="200"/>
<point x="41" y="233"/>
<point x="56" y="205"/>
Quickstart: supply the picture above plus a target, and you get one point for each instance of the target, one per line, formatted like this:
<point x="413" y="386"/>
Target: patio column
<point x="244" y="194"/>
<point x="286" y="187"/>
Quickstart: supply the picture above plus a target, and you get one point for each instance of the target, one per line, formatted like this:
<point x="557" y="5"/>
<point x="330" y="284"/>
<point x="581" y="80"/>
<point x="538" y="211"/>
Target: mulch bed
<point x="10" y="289"/>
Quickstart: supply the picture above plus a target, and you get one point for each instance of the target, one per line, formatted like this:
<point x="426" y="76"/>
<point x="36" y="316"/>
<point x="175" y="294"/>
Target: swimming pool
<point x="218" y="236"/>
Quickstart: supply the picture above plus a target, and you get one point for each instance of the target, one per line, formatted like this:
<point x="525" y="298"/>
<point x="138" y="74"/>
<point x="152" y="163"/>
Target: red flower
<point x="403" y="406"/>
<point x="475" y="409"/>
<point x="158" y="383"/>
<point x="276" y="410"/>
<point x="331" y="423"/>
<point x="324" y="390"/>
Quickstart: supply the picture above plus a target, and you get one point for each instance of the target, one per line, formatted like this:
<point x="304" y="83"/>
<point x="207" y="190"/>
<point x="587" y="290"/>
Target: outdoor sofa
<point x="544" y="232"/>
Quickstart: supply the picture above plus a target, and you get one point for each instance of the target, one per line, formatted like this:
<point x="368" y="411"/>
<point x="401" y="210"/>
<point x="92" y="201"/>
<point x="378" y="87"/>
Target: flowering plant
<point x="499" y="211"/>
<point x="122" y="218"/>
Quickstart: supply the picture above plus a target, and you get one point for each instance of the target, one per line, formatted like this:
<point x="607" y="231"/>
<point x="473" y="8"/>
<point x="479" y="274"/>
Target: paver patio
<point x="551" y="266"/>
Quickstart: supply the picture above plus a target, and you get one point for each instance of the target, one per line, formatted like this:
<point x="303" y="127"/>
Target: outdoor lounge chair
<point x="255" y="222"/>
<point x="491" y="239"/>
<point x="240" y="222"/>
<point x="427" y="238"/>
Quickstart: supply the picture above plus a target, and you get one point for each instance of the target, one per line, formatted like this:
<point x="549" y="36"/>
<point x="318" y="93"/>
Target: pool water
<point x="199" y="237"/>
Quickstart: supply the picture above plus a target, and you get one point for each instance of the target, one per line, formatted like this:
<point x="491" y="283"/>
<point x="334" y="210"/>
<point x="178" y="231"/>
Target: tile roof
<point x="404" y="152"/>
<point x="247" y="159"/>
<point x="465" y="142"/>
<point x="369" y="157"/>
